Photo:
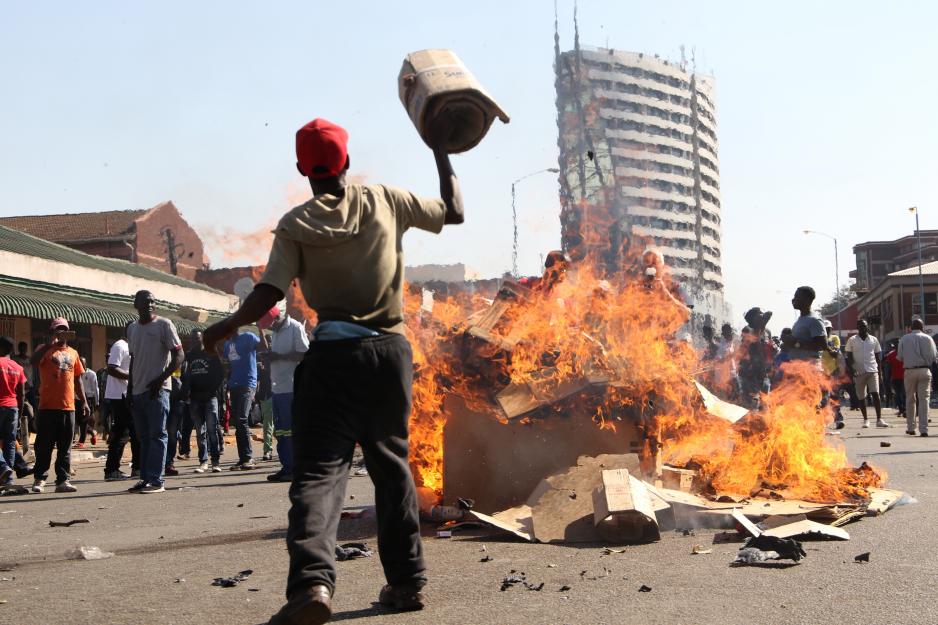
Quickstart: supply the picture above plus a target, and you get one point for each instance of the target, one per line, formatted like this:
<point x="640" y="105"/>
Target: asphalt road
<point x="169" y="547"/>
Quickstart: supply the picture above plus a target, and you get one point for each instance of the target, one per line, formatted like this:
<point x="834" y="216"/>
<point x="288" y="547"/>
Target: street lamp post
<point x="921" y="280"/>
<point x="514" y="217"/>
<point x="836" y="275"/>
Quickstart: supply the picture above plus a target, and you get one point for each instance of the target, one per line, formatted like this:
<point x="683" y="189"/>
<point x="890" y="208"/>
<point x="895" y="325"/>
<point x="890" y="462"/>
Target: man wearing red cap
<point x="60" y="372"/>
<point x="354" y="384"/>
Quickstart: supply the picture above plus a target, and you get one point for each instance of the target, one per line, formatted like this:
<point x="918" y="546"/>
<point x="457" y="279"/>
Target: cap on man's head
<point x="321" y="149"/>
<point x="828" y="324"/>
<point x="59" y="322"/>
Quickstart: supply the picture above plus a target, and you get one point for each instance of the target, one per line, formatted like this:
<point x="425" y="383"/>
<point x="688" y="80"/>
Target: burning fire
<point x="622" y="331"/>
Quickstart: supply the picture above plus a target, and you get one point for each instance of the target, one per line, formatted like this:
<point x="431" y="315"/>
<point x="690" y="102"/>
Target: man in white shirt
<point x="288" y="344"/>
<point x="864" y="363"/>
<point x="917" y="353"/>
<point x="115" y="394"/>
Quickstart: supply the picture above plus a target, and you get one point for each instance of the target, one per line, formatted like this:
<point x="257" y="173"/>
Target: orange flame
<point x="606" y="347"/>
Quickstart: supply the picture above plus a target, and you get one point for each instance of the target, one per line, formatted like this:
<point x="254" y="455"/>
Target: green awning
<point x="42" y="300"/>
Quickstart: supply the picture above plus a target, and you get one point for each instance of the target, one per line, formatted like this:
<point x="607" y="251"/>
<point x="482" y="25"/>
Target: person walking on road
<point x="60" y="372"/>
<point x="204" y="376"/>
<point x="917" y="353"/>
<point x="241" y="354"/>
<point x="12" y="398"/>
<point x="155" y="353"/>
<point x="355" y="383"/>
<point x="864" y="364"/>
<point x="288" y="345"/>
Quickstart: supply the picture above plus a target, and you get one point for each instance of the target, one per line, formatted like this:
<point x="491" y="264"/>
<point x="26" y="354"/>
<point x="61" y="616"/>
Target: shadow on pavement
<point x="350" y="615"/>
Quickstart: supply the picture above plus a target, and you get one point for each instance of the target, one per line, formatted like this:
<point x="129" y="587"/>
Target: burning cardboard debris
<point x="568" y="410"/>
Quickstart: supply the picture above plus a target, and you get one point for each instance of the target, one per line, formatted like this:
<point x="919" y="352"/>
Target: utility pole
<point x="921" y="280"/>
<point x="172" y="249"/>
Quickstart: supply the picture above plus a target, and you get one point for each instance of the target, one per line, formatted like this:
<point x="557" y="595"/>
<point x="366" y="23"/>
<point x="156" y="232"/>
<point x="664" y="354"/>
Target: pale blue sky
<point x="826" y="115"/>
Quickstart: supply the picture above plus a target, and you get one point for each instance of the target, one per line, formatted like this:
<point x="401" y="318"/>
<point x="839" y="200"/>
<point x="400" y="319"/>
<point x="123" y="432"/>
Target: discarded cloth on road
<point x="762" y="548"/>
<point x="234" y="580"/>
<point x="351" y="551"/>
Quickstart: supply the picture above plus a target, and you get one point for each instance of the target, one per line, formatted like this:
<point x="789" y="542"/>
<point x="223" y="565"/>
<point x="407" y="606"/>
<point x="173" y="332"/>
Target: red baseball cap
<point x="58" y="322"/>
<point x="321" y="144"/>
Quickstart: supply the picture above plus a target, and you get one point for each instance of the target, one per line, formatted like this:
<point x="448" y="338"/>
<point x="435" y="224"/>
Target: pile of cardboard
<point x="602" y="499"/>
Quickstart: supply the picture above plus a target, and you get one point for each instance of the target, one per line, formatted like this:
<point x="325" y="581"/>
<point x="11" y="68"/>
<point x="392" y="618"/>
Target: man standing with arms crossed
<point x="155" y="353"/>
<point x="288" y="345"/>
<point x="354" y="384"/>
<point x="864" y="363"/>
<point x="59" y="383"/>
<point x="917" y="353"/>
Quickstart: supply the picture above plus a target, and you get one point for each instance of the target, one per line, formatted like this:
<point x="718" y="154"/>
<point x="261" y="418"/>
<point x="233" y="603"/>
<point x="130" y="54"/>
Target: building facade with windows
<point x="892" y="303"/>
<point x="876" y="260"/>
<point x="639" y="165"/>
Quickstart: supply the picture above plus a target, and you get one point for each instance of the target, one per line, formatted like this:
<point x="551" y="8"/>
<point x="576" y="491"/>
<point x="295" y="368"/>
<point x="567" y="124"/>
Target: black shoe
<point x="280" y="476"/>
<point x="21" y="473"/>
<point x="910" y="432"/>
<point x="924" y="434"/>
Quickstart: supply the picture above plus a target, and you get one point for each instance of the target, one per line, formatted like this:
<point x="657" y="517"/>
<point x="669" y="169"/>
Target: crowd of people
<point x="744" y="369"/>
<point x="153" y="394"/>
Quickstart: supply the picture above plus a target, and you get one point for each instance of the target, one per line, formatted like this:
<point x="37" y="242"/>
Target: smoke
<point x="232" y="246"/>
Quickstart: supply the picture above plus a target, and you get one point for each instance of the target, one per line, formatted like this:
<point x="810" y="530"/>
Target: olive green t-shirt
<point x="346" y="254"/>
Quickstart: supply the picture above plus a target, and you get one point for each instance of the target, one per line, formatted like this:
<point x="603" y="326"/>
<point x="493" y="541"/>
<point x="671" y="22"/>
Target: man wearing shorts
<point x="864" y="362"/>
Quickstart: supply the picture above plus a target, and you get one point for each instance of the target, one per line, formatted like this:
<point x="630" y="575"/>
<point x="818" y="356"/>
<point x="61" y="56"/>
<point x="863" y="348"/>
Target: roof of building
<point x="76" y="226"/>
<point x="924" y="233"/>
<point x="42" y="300"/>
<point x="928" y="269"/>
<point x="21" y="243"/>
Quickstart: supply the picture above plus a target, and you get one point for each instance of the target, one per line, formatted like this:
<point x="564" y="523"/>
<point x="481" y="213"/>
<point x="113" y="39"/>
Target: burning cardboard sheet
<point x="719" y="408"/>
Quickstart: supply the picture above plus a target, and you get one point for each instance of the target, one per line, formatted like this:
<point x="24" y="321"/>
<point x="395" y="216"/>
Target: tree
<point x="843" y="298"/>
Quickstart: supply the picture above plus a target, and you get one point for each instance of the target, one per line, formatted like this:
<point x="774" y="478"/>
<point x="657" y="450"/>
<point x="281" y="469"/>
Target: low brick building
<point x="139" y="236"/>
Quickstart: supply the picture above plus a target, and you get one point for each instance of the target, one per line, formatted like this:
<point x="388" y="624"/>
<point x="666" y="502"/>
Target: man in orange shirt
<point x="60" y="371"/>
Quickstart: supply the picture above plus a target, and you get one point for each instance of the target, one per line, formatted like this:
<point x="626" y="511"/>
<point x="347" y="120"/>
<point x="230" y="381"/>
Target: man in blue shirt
<point x="241" y="356"/>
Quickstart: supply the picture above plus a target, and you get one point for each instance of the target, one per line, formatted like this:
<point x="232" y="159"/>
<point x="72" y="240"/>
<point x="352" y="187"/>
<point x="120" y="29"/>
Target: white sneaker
<point x="202" y="468"/>
<point x="37" y="486"/>
<point x="216" y="468"/>
<point x="65" y="487"/>
<point x="866" y="423"/>
<point x="882" y="424"/>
